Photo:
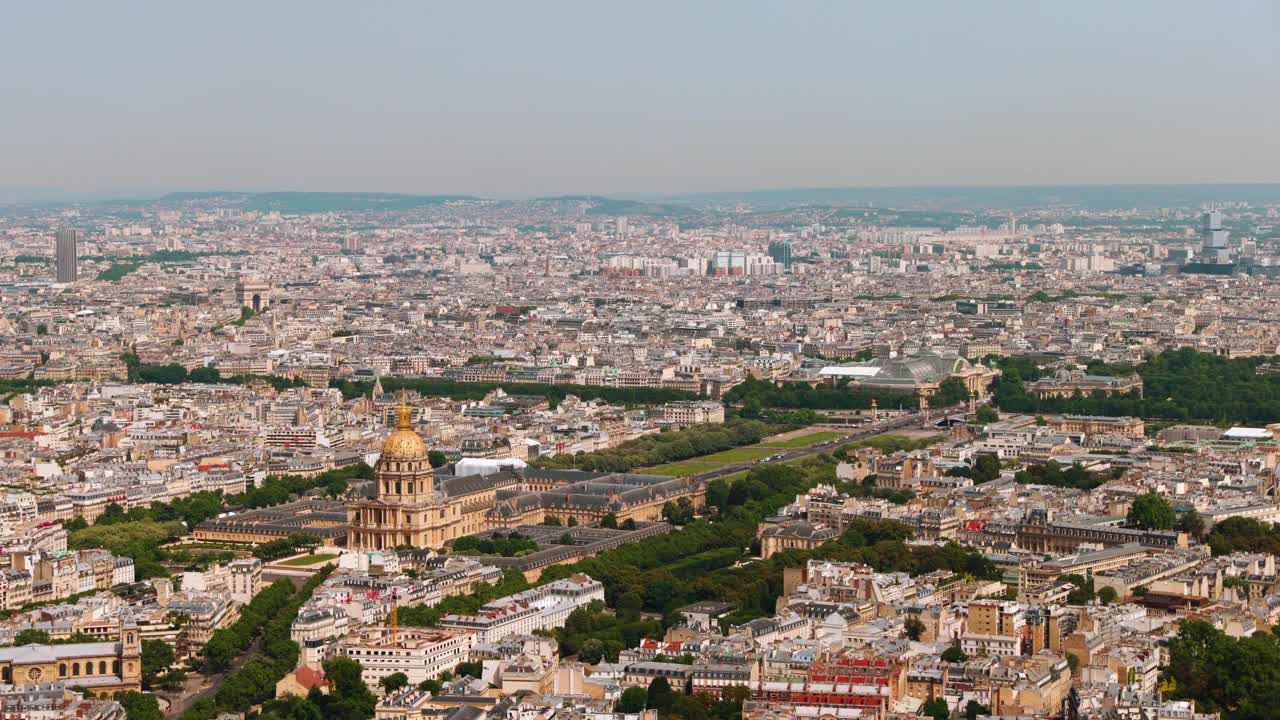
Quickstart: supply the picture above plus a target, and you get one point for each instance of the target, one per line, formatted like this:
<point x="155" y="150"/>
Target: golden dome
<point x="404" y="443"/>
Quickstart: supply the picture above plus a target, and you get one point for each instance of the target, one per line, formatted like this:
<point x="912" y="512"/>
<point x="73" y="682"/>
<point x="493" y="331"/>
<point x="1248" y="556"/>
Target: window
<point x="75" y="669"/>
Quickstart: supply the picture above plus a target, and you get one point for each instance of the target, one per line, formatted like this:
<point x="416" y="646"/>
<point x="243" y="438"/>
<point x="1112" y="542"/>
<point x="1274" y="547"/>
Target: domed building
<point x="410" y="507"/>
<point x="407" y="509"/>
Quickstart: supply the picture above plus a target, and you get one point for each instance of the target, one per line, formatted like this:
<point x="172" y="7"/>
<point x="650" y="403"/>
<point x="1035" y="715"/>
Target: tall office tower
<point x="68" y="246"/>
<point x="351" y="243"/>
<point x="1213" y="238"/>
<point x="622" y="226"/>
<point x="780" y="251"/>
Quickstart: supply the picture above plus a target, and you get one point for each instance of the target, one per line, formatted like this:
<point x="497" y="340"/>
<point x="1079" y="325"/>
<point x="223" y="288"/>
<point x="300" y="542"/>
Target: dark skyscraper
<point x="68" y="249"/>
<point x="780" y="251"/>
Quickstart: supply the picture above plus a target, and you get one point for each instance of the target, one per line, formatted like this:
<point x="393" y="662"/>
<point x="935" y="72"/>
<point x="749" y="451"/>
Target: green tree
<point x="951" y="391"/>
<point x="219" y="651"/>
<point x="437" y="458"/>
<point x="974" y="708"/>
<point x="1107" y="595"/>
<point x="1192" y="523"/>
<point x="1238" y="534"/>
<point x="913" y="628"/>
<point x="1152" y="512"/>
<point x="394" y="682"/>
<point x="679" y="512"/>
<point x="936" y="709"/>
<point x="75" y="523"/>
<point x="31" y="637"/>
<point x="172" y="680"/>
<point x="206" y="375"/>
<point x="986" y="467"/>
<point x="629" y="606"/>
<point x="139" y="706"/>
<point x="157" y="657"/>
<point x="551" y="520"/>
<point x="591" y="651"/>
<point x="660" y="695"/>
<point x="954" y="654"/>
<point x="335" y="488"/>
<point x="609" y="521"/>
<point x="633" y="700"/>
<point x="1083" y="591"/>
<point x="353" y="701"/>
<point x="470" y="669"/>
<point x="987" y="415"/>
<point x="689" y="708"/>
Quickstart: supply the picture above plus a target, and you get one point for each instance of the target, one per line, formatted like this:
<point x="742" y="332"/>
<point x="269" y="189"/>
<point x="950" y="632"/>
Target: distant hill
<point x="600" y="205"/>
<point x="302" y="203"/>
<point x="1091" y="197"/>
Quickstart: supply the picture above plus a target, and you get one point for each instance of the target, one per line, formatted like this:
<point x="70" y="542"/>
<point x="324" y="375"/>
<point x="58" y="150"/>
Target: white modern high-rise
<point x="1213" y="238"/>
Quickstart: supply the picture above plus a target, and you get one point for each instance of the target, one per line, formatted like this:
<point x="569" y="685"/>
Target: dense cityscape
<point x="294" y="455"/>
<point x="579" y="360"/>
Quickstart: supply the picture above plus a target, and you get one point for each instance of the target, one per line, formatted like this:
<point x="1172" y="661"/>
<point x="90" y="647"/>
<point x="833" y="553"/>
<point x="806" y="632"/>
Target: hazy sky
<point x="540" y="96"/>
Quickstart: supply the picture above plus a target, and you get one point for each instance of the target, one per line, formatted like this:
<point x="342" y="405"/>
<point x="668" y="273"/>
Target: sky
<point x="527" y="98"/>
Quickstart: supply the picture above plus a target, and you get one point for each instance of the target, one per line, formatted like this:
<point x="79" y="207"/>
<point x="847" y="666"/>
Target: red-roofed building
<point x="302" y="681"/>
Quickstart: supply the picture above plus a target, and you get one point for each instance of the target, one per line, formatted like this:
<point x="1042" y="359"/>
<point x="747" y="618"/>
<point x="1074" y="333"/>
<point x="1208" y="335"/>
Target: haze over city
<point x="526" y="99"/>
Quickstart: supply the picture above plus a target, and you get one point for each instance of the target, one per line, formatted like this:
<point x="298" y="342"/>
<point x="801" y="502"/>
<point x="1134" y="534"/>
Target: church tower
<point x="130" y="652"/>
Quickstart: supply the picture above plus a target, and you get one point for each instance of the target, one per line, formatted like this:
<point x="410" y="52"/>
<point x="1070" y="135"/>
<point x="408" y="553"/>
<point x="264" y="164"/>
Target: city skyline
<point x="509" y="100"/>
<point x="728" y="360"/>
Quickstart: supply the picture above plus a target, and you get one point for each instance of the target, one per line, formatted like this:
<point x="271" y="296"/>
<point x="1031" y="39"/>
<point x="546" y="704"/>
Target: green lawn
<point x="763" y="449"/>
<point x="892" y="443"/>
<point x="736" y="455"/>
<point x="309" y="560"/>
<point x="804" y="440"/>
<point x="680" y="469"/>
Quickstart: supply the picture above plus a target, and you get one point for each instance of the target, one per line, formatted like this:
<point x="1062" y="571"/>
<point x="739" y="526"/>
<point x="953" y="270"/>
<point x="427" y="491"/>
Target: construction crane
<point x="395" y="615"/>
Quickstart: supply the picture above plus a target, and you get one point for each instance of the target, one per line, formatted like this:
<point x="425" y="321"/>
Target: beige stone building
<point x="406" y="509"/>
<point x="106" y="668"/>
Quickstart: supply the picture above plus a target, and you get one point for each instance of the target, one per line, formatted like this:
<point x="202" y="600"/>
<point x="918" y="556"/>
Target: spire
<point x="406" y="417"/>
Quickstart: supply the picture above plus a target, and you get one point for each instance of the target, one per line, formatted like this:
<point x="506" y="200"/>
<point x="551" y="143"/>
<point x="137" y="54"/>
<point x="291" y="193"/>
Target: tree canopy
<point x="1178" y="385"/>
<point x="1152" y="512"/>
<point x="1238" y="677"/>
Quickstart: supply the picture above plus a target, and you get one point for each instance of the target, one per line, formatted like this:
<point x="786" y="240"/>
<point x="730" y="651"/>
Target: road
<point x="200" y="686"/>
<point x="866" y="431"/>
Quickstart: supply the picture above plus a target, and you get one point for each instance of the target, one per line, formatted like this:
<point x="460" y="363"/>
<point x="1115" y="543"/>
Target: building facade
<point x="68" y="249"/>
